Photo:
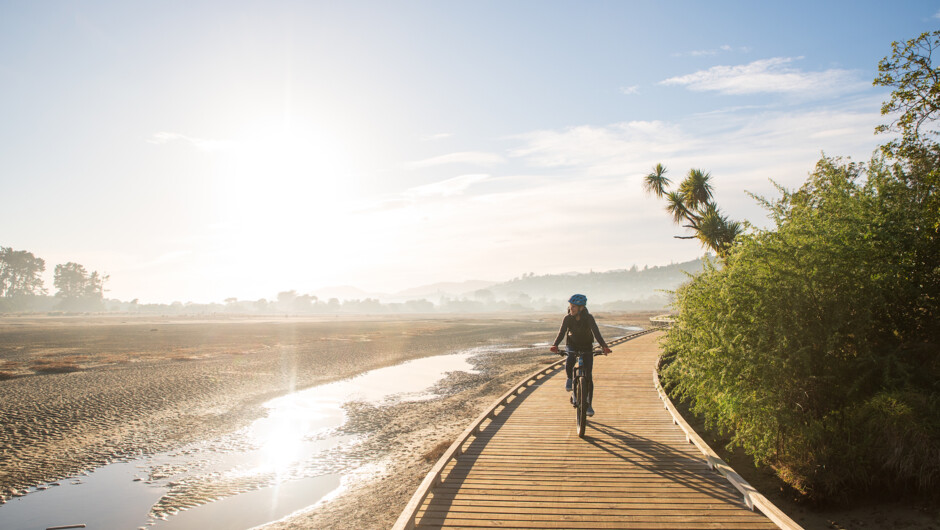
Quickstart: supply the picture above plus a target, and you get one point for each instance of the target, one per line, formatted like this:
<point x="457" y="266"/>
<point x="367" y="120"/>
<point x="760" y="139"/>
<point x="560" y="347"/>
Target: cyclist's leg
<point x="569" y="363"/>
<point x="589" y="376"/>
<point x="569" y="367"/>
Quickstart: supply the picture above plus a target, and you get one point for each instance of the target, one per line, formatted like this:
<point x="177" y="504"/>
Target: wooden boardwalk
<point x="634" y="468"/>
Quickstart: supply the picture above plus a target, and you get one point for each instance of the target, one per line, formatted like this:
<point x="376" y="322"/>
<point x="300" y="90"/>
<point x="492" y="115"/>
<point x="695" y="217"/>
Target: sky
<point x="197" y="151"/>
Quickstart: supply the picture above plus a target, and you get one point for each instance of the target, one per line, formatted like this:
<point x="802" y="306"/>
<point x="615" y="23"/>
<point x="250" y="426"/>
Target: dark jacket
<point x="581" y="332"/>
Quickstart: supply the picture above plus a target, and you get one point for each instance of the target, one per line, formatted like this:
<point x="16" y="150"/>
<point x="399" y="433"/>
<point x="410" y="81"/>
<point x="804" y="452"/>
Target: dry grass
<point x="7" y="375"/>
<point x="436" y="452"/>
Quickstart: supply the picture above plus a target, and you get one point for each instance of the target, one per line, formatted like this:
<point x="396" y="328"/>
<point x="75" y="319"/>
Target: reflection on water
<point x="284" y="462"/>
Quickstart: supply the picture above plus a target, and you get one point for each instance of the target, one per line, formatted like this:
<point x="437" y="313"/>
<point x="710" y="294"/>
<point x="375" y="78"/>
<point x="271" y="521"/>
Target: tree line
<point x="634" y="289"/>
<point x="815" y="344"/>
<point x="21" y="283"/>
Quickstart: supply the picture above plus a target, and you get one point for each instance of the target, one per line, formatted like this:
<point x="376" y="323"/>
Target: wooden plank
<point x="539" y="512"/>
<point x="570" y="524"/>
<point x="640" y="508"/>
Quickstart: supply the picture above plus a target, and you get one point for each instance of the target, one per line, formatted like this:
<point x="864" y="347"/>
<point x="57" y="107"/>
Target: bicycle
<point x="579" y="394"/>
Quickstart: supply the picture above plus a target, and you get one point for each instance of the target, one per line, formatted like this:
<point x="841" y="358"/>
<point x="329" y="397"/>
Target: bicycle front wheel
<point x="580" y="397"/>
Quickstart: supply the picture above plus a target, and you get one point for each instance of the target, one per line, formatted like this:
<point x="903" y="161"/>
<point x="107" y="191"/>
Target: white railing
<point x="662" y="321"/>
<point x="752" y="498"/>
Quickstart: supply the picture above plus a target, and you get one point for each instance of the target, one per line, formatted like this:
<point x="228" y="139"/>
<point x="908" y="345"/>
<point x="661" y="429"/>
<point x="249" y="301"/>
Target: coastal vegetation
<point x="815" y="343"/>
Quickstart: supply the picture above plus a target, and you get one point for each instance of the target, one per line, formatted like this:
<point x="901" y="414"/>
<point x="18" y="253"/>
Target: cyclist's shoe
<point x="590" y="411"/>
<point x="568" y="385"/>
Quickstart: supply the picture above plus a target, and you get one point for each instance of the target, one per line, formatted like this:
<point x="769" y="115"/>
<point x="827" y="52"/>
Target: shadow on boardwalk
<point x="670" y="465"/>
<point x="667" y="462"/>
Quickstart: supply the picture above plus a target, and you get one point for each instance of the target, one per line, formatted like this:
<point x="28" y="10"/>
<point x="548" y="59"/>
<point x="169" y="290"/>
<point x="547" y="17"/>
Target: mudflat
<point x="80" y="392"/>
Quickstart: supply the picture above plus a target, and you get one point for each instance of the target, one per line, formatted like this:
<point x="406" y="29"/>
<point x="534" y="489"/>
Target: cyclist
<point x="581" y="329"/>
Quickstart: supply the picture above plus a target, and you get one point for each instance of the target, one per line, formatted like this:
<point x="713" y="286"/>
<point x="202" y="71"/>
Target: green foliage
<point x="816" y="343"/>
<point x="657" y="181"/>
<point x="20" y="275"/>
<point x="692" y="207"/>
<point x="78" y="289"/>
<point x="916" y="101"/>
<point x="916" y="83"/>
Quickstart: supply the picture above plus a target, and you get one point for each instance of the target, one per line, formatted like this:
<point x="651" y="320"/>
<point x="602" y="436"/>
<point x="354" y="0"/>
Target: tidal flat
<point x="83" y="392"/>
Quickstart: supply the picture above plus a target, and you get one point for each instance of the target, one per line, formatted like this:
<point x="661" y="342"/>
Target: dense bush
<point x="815" y="343"/>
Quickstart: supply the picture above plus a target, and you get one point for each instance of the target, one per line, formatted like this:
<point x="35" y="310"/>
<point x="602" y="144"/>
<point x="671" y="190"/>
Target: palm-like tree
<point x="696" y="188"/>
<point x="678" y="208"/>
<point x="657" y="182"/>
<point x="691" y="206"/>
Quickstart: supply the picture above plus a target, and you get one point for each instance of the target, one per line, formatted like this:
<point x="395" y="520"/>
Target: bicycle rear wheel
<point x="580" y="397"/>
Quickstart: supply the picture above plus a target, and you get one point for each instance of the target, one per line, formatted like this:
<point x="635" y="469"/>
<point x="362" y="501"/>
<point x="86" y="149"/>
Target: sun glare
<point x="273" y="169"/>
<point x="281" y="435"/>
<point x="287" y="188"/>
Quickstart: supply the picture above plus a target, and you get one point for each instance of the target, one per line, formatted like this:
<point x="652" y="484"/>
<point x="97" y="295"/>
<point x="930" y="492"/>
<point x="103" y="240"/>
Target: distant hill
<point x="628" y="285"/>
<point x="436" y="290"/>
<point x="626" y="289"/>
<point x="342" y="292"/>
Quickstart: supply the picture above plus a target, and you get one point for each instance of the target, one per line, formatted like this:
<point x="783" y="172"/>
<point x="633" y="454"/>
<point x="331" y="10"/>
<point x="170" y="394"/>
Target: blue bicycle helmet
<point x="578" y="299"/>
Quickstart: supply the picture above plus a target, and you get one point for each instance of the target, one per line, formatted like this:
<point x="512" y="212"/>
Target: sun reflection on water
<point x="282" y="437"/>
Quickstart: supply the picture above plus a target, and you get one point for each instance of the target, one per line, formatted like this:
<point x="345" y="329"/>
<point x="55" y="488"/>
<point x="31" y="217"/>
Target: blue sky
<point x="205" y="150"/>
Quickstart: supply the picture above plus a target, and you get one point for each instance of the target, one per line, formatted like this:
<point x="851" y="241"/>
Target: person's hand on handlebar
<point x="606" y="351"/>
<point x="553" y="349"/>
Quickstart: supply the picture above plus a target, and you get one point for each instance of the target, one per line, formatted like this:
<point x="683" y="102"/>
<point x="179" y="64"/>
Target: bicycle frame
<point x="579" y="398"/>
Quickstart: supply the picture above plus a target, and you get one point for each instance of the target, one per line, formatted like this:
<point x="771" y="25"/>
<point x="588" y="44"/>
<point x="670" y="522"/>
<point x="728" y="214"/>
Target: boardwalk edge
<point x="752" y="498"/>
<point x="406" y="521"/>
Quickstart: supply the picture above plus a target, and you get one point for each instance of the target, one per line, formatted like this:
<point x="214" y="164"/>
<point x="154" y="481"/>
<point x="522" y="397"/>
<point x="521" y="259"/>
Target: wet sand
<point x="81" y="392"/>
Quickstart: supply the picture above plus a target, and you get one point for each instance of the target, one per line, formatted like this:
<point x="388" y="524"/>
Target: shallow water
<point x="286" y="461"/>
<point x="624" y="328"/>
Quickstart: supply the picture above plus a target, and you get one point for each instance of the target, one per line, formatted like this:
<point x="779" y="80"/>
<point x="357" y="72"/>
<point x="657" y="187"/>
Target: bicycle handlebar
<point x="580" y="353"/>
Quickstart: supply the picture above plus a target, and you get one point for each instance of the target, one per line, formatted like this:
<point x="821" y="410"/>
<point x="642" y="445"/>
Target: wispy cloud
<point x="725" y="48"/>
<point x="781" y="143"/>
<point x="199" y="143"/>
<point x="424" y="194"/>
<point x="447" y="188"/>
<point x="630" y="90"/>
<point x="474" y="158"/>
<point x="601" y="150"/>
<point x="936" y="15"/>
<point x="773" y="75"/>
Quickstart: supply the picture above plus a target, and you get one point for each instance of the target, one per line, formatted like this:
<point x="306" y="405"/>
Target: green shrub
<point x="815" y="344"/>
